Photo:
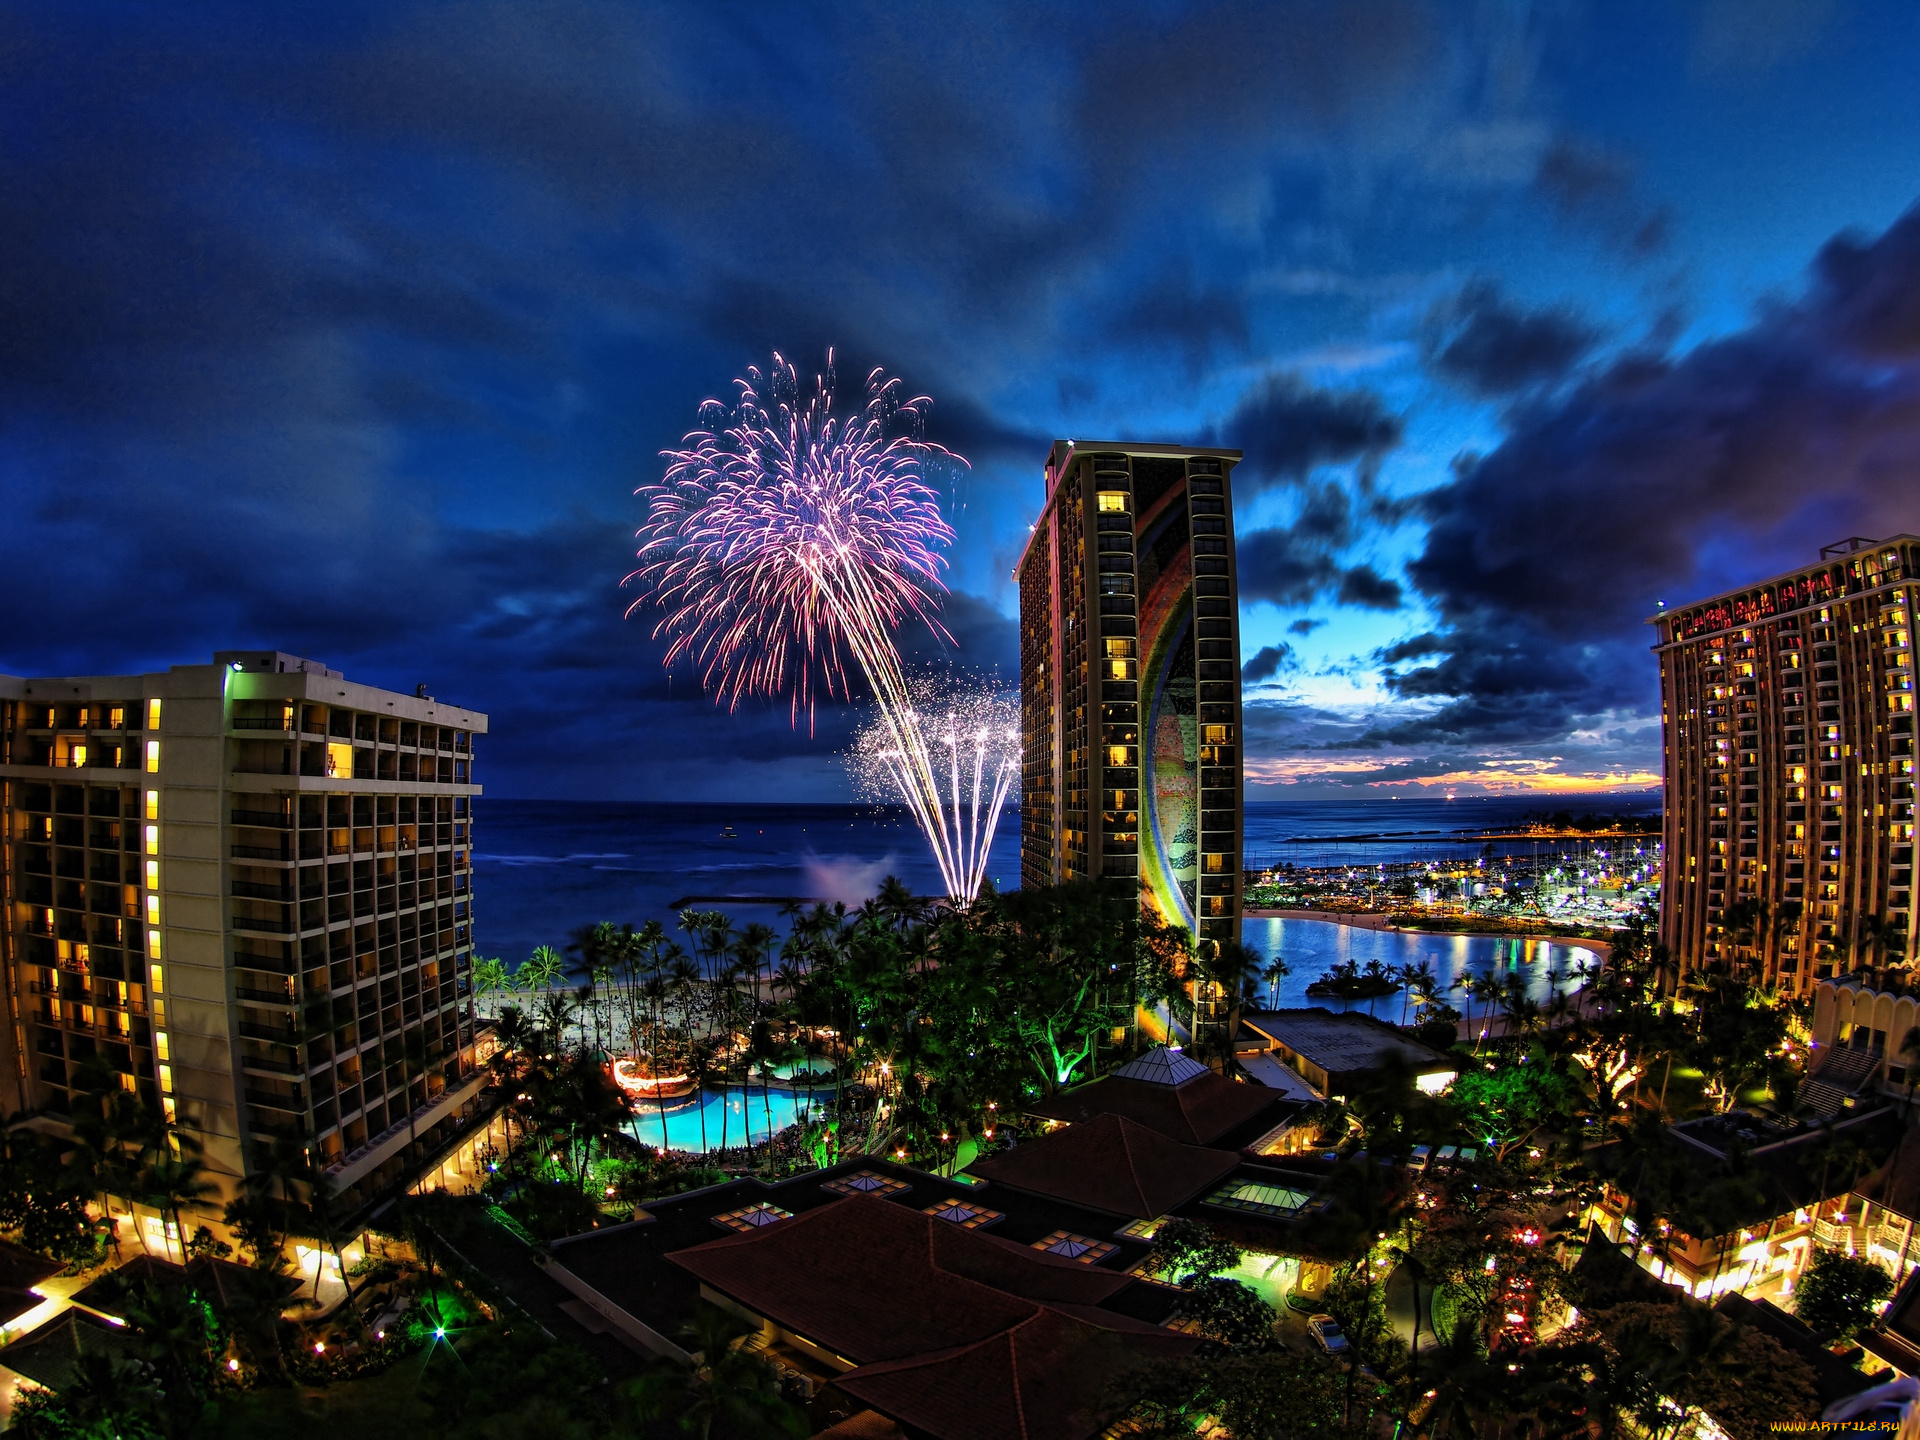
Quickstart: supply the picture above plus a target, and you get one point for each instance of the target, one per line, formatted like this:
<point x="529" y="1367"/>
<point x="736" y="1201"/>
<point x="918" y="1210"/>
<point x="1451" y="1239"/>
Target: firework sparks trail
<point x="981" y="735"/>
<point x="784" y="538"/>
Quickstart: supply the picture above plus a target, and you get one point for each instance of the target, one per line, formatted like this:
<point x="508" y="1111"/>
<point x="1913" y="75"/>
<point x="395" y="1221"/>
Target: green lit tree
<point x="1839" y="1294"/>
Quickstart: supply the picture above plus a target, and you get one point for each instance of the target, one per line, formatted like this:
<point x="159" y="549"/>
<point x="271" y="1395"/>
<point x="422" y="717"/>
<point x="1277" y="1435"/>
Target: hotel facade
<point x="1130" y="680"/>
<point x="245" y="889"/>
<point x="1788" y="716"/>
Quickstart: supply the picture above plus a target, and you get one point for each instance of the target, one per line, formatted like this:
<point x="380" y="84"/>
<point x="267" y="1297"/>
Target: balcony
<point x="271" y="1067"/>
<point x="272" y="964"/>
<point x="266" y="819"/>
<point x="253" y="924"/>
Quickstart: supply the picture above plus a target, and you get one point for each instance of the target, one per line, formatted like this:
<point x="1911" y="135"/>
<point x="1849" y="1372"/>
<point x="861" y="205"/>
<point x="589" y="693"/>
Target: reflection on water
<point x="694" y="1123"/>
<point x="1313" y="947"/>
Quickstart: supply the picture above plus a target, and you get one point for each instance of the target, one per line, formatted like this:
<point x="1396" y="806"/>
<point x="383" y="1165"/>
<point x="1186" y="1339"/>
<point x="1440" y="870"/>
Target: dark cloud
<point x="1366" y="587"/>
<point x="1269" y="661"/>
<point x="1288" y="427"/>
<point x="1589" y="185"/>
<point x="1483" y="342"/>
<point x="1661" y="479"/>
<point x="1298" y="563"/>
<point x="1180" y="312"/>
<point x="1305" y="626"/>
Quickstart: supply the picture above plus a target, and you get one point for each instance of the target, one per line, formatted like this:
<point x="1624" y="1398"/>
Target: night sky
<point x="349" y="330"/>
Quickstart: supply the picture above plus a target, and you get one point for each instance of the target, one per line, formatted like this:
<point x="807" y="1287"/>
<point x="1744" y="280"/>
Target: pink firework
<point x="784" y="538"/>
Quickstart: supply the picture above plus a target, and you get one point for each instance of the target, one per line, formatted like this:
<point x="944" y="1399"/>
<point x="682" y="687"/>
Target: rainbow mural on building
<point x="1170" y="782"/>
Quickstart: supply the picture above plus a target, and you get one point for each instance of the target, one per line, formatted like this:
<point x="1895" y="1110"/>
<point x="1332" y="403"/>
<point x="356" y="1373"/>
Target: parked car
<point x="1326" y="1334"/>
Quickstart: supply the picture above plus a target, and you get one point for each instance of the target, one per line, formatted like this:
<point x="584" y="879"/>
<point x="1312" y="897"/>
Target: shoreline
<point x="1365" y="920"/>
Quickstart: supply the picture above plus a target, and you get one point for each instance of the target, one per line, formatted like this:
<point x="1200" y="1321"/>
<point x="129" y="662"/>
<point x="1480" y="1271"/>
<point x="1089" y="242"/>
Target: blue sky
<point x="350" y="330"/>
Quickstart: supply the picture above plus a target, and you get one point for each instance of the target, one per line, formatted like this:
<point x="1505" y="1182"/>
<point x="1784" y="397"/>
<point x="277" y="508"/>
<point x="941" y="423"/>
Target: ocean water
<point x="545" y="868"/>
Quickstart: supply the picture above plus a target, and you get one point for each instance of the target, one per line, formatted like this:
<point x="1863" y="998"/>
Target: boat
<point x="634" y="1074"/>
<point x="726" y="833"/>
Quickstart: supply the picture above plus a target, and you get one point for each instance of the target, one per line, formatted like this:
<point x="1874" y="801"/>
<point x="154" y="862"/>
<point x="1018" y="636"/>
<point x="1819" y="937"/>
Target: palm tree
<point x="280" y="1168"/>
<point x="729" y="1386"/>
<point x="418" y="1060"/>
<point x="102" y="1396"/>
<point x="540" y="969"/>
<point x="172" y="1181"/>
<point x="329" y="1223"/>
<point x="1879" y="935"/>
<point x="1234" y="969"/>
<point x="1275" y="971"/>
<point x="1909" y="1053"/>
<point x="490" y="977"/>
<point x="173" y="1330"/>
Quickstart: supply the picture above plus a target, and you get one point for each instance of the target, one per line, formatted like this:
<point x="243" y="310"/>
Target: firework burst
<point x="958" y="784"/>
<point x="785" y="539"/>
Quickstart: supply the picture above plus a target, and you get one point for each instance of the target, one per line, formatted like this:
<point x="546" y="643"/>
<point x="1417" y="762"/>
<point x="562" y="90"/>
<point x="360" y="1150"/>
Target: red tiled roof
<point x="867" y="1425"/>
<point x="1040" y="1380"/>
<point x="1196" y="1112"/>
<point x="872" y="1280"/>
<point x="954" y="1333"/>
<point x="1109" y="1163"/>
<point x="220" y="1280"/>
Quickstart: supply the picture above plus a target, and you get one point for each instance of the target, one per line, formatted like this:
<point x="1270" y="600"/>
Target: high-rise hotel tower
<point x="245" y="889"/>
<point x="1130" y="679"/>
<point x="1787" y="708"/>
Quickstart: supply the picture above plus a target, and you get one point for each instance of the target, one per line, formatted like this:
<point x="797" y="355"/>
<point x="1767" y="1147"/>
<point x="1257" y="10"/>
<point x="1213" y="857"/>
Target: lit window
<point x="153" y="874"/>
<point x="166" y="1077"/>
<point x="753" y="1217"/>
<point x="160" y="1044"/>
<point x="153" y="756"/>
<point x="153" y="804"/>
<point x="1116" y="755"/>
<point x="1075" y="1247"/>
<point x="79" y="756"/>
<point x="153" y="714"/>
<point x="1217" y="734"/>
<point x="166" y="1102"/>
<point x="153" y="909"/>
<point x="1112" y="501"/>
<point x="153" y="949"/>
<point x="865" y="1182"/>
<point x="157" y="980"/>
<point x="1216" y="864"/>
<point x="340" y="760"/>
<point x="117" y="718"/>
<point x="964" y="1214"/>
<point x="1117" y="646"/>
<point x="153" y="837"/>
<point x="1261" y="1198"/>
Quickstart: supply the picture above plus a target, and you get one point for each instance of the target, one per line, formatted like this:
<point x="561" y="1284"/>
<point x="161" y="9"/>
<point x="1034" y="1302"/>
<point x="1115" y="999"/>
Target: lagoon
<point x="1312" y="947"/>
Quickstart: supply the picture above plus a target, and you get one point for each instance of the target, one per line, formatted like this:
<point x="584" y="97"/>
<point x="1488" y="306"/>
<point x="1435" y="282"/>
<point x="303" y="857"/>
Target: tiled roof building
<point x="1182" y="1099"/>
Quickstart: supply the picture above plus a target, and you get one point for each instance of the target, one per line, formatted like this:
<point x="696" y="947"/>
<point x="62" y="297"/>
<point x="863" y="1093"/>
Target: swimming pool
<point x="694" y="1123"/>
